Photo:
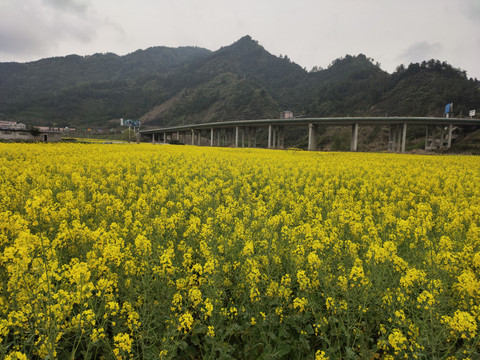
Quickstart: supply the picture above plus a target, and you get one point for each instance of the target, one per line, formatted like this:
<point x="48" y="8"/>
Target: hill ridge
<point x="251" y="82"/>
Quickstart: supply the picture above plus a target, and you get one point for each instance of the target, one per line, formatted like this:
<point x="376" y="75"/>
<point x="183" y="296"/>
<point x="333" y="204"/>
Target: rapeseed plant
<point x="143" y="251"/>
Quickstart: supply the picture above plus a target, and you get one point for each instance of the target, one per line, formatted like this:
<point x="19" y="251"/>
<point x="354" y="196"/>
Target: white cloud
<point x="310" y="32"/>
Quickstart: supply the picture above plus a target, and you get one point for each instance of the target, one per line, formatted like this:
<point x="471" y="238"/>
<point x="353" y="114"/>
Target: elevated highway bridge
<point x="241" y="133"/>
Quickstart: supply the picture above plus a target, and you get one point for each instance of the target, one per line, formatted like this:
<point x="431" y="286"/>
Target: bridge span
<point x="241" y="133"/>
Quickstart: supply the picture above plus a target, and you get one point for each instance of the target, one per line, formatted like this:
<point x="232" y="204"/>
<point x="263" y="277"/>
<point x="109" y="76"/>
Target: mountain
<point x="90" y="89"/>
<point x="167" y="86"/>
<point x="351" y="86"/>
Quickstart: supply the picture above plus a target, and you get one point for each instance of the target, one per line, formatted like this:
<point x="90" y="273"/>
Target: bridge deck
<point x="340" y="121"/>
<point x="398" y="128"/>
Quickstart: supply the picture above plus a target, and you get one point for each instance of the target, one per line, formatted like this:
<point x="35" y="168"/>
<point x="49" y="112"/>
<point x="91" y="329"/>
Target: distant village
<point x="12" y="131"/>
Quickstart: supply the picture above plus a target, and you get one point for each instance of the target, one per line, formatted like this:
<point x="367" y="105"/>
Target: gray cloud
<point x="471" y="8"/>
<point x="420" y="51"/>
<point x="310" y="32"/>
<point x="42" y="28"/>
<point x="68" y="5"/>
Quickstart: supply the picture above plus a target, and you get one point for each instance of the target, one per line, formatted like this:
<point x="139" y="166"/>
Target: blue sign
<point x="134" y="123"/>
<point x="448" y="108"/>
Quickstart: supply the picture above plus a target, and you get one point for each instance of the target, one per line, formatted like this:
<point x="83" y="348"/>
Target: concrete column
<point x="243" y="136"/>
<point x="200" y="138"/>
<point x="312" y="137"/>
<point x="153" y="138"/>
<point x="395" y="138"/>
<point x="193" y="136"/>
<point x="404" y="137"/>
<point x="237" y="130"/>
<point x="164" y="138"/>
<point x="449" y="139"/>
<point x="274" y="137"/>
<point x="254" y="137"/>
<point x="269" y="136"/>
<point x="432" y="147"/>
<point x="211" y="137"/>
<point x="354" y="140"/>
<point x="389" y="142"/>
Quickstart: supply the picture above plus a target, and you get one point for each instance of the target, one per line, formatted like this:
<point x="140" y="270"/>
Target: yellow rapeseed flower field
<point x="148" y="251"/>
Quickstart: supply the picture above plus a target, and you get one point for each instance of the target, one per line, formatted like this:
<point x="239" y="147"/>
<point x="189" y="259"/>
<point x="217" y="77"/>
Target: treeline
<point x="167" y="86"/>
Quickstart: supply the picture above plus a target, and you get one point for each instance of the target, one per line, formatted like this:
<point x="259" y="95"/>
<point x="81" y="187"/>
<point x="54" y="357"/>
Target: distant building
<point x="12" y="125"/>
<point x="286" y="115"/>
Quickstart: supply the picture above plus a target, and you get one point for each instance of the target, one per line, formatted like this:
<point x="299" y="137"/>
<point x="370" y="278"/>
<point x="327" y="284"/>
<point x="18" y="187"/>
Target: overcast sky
<point x="309" y="32"/>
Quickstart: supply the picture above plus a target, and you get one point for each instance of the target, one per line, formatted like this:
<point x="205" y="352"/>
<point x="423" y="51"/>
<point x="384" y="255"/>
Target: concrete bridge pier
<point x="354" y="140"/>
<point x="397" y="138"/>
<point x="270" y="136"/>
<point x="312" y="137"/>
<point x="192" y="137"/>
<point x="237" y="131"/>
<point x="449" y="139"/>
<point x="404" y="137"/>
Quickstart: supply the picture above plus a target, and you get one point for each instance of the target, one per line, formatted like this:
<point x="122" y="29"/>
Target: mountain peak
<point x="245" y="44"/>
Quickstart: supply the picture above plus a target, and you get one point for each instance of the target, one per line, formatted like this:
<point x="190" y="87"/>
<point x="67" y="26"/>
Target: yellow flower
<point x="300" y="304"/>
<point x="397" y="340"/>
<point x="320" y="355"/>
<point x="462" y="323"/>
<point x="16" y="355"/>
<point x="186" y="322"/>
<point x="123" y="345"/>
<point x="211" y="331"/>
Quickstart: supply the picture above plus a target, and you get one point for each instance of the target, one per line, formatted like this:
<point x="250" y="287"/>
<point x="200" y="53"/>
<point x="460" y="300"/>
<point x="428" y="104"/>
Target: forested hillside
<point x="167" y="86"/>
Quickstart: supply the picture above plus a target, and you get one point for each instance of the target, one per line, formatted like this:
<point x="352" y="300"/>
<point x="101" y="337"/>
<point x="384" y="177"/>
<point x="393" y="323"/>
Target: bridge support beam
<point x="312" y="137"/>
<point x="165" y="138"/>
<point x="449" y="139"/>
<point x="237" y="130"/>
<point x="211" y="136"/>
<point x="404" y="137"/>
<point x="398" y="138"/>
<point x="193" y="137"/>
<point x="354" y="140"/>
<point x="269" y="136"/>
